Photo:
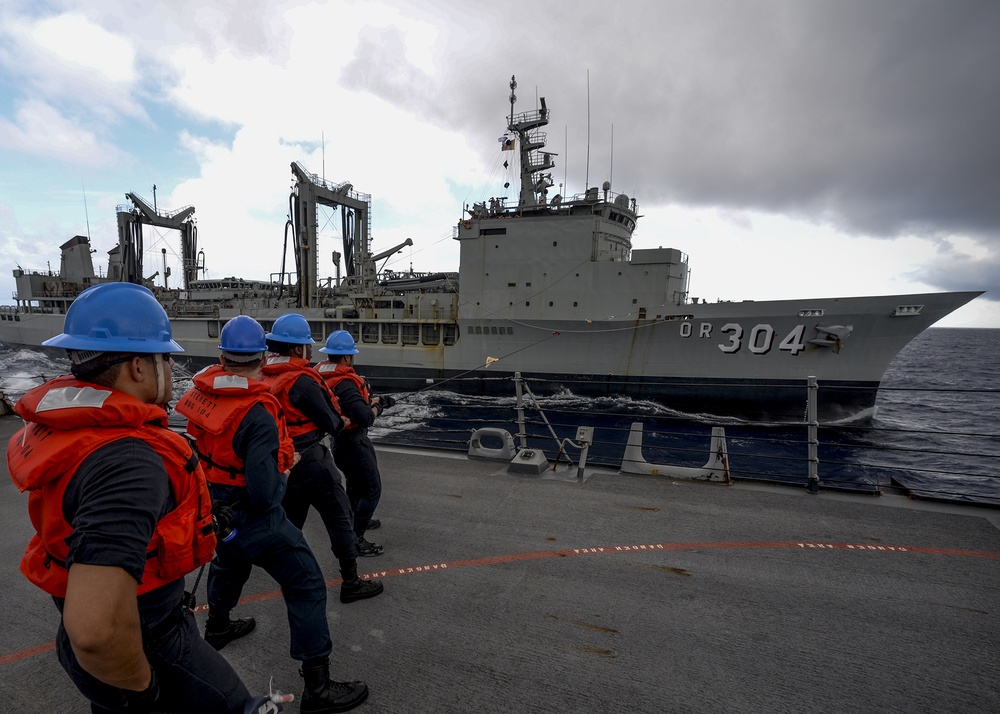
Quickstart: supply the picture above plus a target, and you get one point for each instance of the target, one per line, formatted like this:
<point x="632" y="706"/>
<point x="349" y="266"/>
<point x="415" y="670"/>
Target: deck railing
<point x="957" y="459"/>
<point x="930" y="443"/>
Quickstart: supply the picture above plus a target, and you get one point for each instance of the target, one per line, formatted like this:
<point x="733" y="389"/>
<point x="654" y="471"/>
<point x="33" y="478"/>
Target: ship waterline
<point x="751" y="358"/>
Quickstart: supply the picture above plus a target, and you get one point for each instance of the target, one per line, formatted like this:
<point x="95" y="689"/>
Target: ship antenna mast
<point x="587" y="179"/>
<point x="513" y="98"/>
<point x="86" y="212"/>
<point x="566" y="159"/>
<point x="532" y="192"/>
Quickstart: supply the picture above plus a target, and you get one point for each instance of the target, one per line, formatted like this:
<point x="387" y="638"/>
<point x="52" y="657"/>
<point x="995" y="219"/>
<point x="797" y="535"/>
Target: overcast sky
<point x="791" y="148"/>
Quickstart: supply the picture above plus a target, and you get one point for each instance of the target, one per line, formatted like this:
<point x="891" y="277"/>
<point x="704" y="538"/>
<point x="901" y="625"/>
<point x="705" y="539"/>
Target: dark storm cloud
<point x="879" y="118"/>
<point x="961" y="272"/>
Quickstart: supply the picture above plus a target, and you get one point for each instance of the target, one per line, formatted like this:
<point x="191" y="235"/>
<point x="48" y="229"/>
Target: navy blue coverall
<point x="355" y="455"/>
<point x="266" y="538"/>
<point x="315" y="481"/>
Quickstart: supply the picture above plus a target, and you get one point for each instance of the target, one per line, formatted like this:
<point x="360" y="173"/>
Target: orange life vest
<point x="67" y="421"/>
<point x="280" y="373"/>
<point x="334" y="373"/>
<point x="215" y="407"/>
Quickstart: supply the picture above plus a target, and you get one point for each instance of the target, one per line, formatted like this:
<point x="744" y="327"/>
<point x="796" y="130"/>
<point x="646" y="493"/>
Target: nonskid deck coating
<point x="620" y="594"/>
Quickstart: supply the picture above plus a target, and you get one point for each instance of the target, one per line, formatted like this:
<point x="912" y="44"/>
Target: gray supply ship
<point x="549" y="287"/>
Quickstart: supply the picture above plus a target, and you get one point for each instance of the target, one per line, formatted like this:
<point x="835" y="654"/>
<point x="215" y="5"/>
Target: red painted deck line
<point x="601" y="550"/>
<point x="26" y="654"/>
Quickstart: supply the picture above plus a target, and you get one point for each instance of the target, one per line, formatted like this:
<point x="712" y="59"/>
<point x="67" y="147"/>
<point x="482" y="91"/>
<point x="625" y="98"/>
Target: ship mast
<point x="533" y="160"/>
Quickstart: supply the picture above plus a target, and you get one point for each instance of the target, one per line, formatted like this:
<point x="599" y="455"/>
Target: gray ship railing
<point x="128" y="207"/>
<point x="959" y="462"/>
<point x="928" y="443"/>
<point x="25" y="309"/>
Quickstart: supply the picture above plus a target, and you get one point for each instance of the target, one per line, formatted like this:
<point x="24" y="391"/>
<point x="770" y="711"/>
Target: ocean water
<point x="935" y="430"/>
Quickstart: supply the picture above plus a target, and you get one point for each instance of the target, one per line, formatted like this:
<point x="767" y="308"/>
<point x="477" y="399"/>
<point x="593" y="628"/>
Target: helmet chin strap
<point x="161" y="378"/>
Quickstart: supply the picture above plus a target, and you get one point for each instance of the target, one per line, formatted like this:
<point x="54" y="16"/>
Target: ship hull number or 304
<point x="759" y="340"/>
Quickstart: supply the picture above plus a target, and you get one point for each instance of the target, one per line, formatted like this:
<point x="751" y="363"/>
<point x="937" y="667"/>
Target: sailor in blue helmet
<point x="121" y="513"/>
<point x="354" y="453"/>
<point x="240" y="433"/>
<point x="312" y="413"/>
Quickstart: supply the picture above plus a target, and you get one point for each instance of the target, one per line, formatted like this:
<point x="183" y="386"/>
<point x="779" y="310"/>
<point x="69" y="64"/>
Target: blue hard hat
<point x="116" y="317"/>
<point x="291" y="328"/>
<point x="339" y="342"/>
<point x="242" y="335"/>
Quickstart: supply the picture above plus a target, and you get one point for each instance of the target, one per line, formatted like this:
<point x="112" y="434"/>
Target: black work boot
<point x="367" y="549"/>
<point x="220" y="631"/>
<point x="374" y="523"/>
<point x="323" y="695"/>
<point x="354" y="588"/>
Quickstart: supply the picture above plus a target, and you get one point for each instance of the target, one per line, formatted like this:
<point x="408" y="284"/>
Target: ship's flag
<point x="491" y="360"/>
<point x="507" y="144"/>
